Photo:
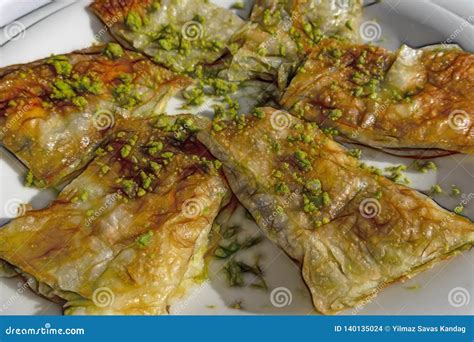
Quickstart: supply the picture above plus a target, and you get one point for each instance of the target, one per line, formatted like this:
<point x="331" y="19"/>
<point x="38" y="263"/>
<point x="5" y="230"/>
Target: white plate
<point x="445" y="289"/>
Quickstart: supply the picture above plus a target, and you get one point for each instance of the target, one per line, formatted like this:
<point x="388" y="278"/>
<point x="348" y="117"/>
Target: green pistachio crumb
<point x="302" y="159"/>
<point x="335" y="114"/>
<point x="281" y="188"/>
<point x="258" y="113"/>
<point x="62" y="90"/>
<point x="79" y="101"/>
<point x="144" y="239"/>
<point x="125" y="150"/>
<point x="355" y="152"/>
<point x="104" y="169"/>
<point x="436" y="189"/>
<point x="459" y="209"/>
<point x="134" y="21"/>
<point x="29" y="179"/>
<point x="141" y="192"/>
<point x="155" y="147"/>
<point x="155" y="166"/>
<point x="424" y="167"/>
<point x="238" y="5"/>
<point x="61" y="64"/>
<point x="455" y="191"/>
<point x="113" y="51"/>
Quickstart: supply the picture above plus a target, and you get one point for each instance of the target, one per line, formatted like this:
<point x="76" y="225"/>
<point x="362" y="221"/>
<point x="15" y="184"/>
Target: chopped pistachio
<point x="62" y="90"/>
<point x="141" y="192"/>
<point x="125" y="150"/>
<point x="238" y="5"/>
<point x="155" y="166"/>
<point x="113" y="51"/>
<point x="396" y="174"/>
<point x="155" y="147"/>
<point x="259" y="113"/>
<point x="302" y="159"/>
<point x="167" y="155"/>
<point x="355" y="152"/>
<point x="84" y="195"/>
<point x="313" y="185"/>
<point x="79" y="101"/>
<point x="455" y="191"/>
<point x="61" y="64"/>
<point x="335" y="114"/>
<point x="129" y="186"/>
<point x="104" y="169"/>
<point x="281" y="188"/>
<point x="29" y="178"/>
<point x="425" y="167"/>
<point x="133" y="21"/>
<point x="144" y="239"/>
<point x="436" y="189"/>
<point x="459" y="209"/>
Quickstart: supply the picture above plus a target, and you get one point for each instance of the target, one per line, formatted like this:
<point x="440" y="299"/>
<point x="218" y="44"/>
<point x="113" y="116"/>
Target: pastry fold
<point x="281" y="33"/>
<point x="124" y="235"/>
<point x="353" y="232"/>
<point x="179" y="34"/>
<point x="55" y="112"/>
<point x="414" y="98"/>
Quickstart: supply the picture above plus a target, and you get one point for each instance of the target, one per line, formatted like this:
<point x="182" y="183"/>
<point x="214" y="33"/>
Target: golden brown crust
<point x="130" y="226"/>
<point x="387" y="100"/>
<point x="354" y="231"/>
<point x="40" y="102"/>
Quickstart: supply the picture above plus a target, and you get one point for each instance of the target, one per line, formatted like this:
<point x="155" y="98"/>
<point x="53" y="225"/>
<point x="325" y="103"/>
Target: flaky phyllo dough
<point x="353" y="232"/>
<point x="408" y="99"/>
<point x="56" y="111"/>
<point x="180" y="34"/>
<point x="123" y="236"/>
<point x="280" y="34"/>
